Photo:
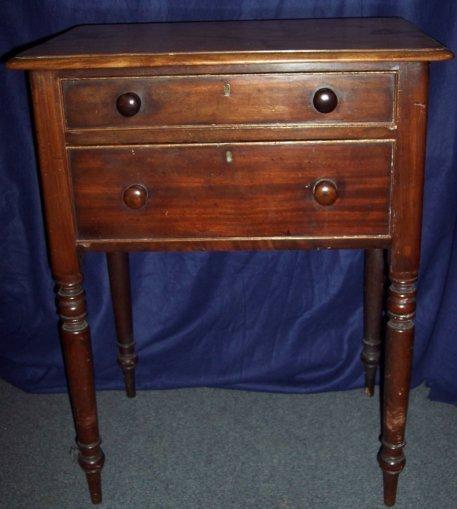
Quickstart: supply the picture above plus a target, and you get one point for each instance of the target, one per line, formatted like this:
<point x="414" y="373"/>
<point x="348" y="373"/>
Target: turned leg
<point x="404" y="254"/>
<point x="77" y="352"/>
<point x="398" y="362"/>
<point x="62" y="234"/>
<point x="373" y="295"/>
<point x="118" y="270"/>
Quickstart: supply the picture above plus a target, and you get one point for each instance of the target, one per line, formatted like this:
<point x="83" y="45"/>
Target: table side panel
<point x="55" y="177"/>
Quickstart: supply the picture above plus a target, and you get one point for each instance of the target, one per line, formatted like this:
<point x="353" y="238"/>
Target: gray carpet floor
<point x="216" y="449"/>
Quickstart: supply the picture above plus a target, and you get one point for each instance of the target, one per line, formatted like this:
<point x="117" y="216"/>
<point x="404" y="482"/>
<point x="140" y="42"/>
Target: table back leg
<point x="373" y="299"/>
<point x="119" y="276"/>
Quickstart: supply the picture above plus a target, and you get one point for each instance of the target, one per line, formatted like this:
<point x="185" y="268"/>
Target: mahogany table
<point x="234" y="135"/>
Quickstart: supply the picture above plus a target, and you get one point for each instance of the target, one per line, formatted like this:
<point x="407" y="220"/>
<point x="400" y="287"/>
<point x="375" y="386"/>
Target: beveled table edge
<point x="209" y="58"/>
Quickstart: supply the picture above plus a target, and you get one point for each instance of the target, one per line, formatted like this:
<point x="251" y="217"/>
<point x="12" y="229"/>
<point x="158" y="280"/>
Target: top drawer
<point x="286" y="98"/>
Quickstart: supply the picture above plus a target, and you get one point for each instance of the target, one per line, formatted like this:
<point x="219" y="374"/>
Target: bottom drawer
<point x="232" y="190"/>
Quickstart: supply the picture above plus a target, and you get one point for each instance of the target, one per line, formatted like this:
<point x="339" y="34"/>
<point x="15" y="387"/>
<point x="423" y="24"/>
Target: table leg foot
<point x="369" y="385"/>
<point x="390" y="482"/>
<point x="127" y="364"/>
<point x="94" y="482"/>
<point x="91" y="459"/>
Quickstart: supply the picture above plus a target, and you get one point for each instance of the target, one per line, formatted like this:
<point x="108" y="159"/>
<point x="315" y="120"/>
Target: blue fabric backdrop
<point x="274" y="321"/>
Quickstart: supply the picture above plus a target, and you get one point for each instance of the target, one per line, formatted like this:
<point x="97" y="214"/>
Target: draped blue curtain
<point x="274" y="321"/>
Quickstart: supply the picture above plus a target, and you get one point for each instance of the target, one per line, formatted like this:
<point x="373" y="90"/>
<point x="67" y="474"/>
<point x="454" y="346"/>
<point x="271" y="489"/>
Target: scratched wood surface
<point x="232" y="190"/>
<point x="229" y="99"/>
<point x="352" y="178"/>
<point x="137" y="45"/>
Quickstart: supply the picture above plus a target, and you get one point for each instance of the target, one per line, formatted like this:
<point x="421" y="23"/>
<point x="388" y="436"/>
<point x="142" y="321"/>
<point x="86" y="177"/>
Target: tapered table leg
<point x="373" y="297"/>
<point x="71" y="305"/>
<point x="77" y="352"/>
<point x="404" y="257"/>
<point x="398" y="363"/>
<point x="119" y="276"/>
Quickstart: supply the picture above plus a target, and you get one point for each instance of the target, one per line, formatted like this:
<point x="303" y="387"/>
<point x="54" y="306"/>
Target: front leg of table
<point x="403" y="271"/>
<point x="77" y="353"/>
<point x="398" y="365"/>
<point x="71" y="305"/>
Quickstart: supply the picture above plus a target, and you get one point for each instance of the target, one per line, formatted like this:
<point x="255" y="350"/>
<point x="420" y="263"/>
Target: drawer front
<point x="232" y="190"/>
<point x="364" y="97"/>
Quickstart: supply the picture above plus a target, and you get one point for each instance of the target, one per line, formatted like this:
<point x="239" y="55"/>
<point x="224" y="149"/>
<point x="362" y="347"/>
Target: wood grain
<point x="234" y="243"/>
<point x="233" y="133"/>
<point x="372" y="315"/>
<point x="55" y="181"/>
<point x="71" y="305"/>
<point x="203" y="43"/>
<point x="229" y="99"/>
<point x="203" y="136"/>
<point x="119" y="278"/>
<point x="264" y="190"/>
<point x="403" y="270"/>
<point x="235" y="68"/>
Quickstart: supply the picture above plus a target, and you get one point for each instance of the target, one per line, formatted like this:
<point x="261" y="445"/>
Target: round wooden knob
<point x="128" y="104"/>
<point x="325" y="100"/>
<point x="135" y="196"/>
<point x="325" y="192"/>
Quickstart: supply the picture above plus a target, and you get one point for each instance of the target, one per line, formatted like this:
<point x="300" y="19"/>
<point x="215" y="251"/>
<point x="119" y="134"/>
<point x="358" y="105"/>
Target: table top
<point x="153" y="44"/>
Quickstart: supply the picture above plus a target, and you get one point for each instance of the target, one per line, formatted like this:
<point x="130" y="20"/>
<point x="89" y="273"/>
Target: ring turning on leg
<point x="77" y="351"/>
<point x="373" y="296"/>
<point x="398" y="362"/>
<point x="119" y="276"/>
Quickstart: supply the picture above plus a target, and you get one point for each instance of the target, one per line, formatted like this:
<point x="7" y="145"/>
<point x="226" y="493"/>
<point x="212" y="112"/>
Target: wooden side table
<point x="234" y="135"/>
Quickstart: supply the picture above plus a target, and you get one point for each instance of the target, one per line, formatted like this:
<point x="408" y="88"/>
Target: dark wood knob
<point x="325" y="100"/>
<point x="135" y="196"/>
<point x="325" y="192"/>
<point x="128" y="104"/>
